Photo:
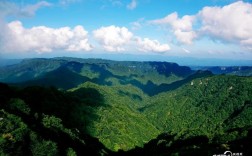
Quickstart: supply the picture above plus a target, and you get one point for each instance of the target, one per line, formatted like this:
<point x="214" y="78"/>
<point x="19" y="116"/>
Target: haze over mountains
<point x="73" y="106"/>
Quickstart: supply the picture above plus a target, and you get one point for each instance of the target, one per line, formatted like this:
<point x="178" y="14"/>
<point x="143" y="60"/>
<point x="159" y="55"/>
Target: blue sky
<point x="219" y="29"/>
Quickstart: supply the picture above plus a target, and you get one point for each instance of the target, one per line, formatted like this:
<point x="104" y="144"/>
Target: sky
<point x="214" y="29"/>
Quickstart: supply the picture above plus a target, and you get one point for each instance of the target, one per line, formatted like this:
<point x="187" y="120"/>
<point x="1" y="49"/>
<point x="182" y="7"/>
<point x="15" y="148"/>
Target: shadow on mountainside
<point x="152" y="89"/>
<point x="62" y="78"/>
<point x="49" y="101"/>
<point x="68" y="76"/>
<point x="166" y="145"/>
<point x="65" y="79"/>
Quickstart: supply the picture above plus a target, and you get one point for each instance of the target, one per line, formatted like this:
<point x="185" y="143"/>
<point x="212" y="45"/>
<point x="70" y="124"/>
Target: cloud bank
<point x="41" y="39"/>
<point x="116" y="39"/>
<point x="147" y="45"/>
<point x="181" y="27"/>
<point x="113" y="38"/>
<point x="230" y="23"/>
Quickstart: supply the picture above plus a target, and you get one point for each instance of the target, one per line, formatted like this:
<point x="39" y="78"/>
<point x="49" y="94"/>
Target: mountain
<point x="228" y="70"/>
<point x="67" y="73"/>
<point x="27" y="69"/>
<point x="71" y="106"/>
<point x="30" y="124"/>
<point x="6" y="62"/>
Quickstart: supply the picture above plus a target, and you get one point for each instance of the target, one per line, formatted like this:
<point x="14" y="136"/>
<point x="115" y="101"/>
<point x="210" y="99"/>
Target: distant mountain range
<point x="229" y="70"/>
<point x="71" y="106"/>
<point x="67" y="73"/>
<point x="6" y="62"/>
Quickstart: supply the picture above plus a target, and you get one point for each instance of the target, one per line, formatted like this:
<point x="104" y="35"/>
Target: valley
<point x="71" y="106"/>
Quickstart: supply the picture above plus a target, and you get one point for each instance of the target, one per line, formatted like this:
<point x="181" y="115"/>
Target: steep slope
<point x="205" y="106"/>
<point x="61" y="78"/>
<point x="124" y="105"/>
<point x="117" y="123"/>
<point x="199" y="116"/>
<point x="33" y="121"/>
<point x="27" y="69"/>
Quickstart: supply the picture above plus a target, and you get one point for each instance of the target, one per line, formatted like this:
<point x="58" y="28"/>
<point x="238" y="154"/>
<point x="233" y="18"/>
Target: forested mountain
<point x="233" y="70"/>
<point x="70" y="106"/>
<point x="95" y="69"/>
<point x="6" y="62"/>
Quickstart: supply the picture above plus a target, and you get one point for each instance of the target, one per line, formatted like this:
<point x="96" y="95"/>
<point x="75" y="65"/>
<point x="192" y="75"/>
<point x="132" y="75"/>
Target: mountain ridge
<point x="124" y="108"/>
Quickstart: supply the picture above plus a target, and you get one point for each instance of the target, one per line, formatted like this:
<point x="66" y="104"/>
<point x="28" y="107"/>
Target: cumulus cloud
<point x="113" y="38"/>
<point x="42" y="39"/>
<point x="14" y="37"/>
<point x="147" y="45"/>
<point x="132" y="5"/>
<point x="230" y="23"/>
<point x="116" y="39"/>
<point x="181" y="27"/>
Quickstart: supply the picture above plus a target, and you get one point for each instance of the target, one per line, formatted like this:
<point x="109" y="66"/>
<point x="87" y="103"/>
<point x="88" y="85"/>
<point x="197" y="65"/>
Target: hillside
<point x="66" y="73"/>
<point x="205" y="106"/>
<point x="70" y="105"/>
<point x="35" y="121"/>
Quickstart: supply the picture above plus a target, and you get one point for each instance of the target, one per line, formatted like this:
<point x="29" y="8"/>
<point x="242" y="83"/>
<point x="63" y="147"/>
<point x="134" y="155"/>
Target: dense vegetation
<point x="121" y="108"/>
<point x="37" y="121"/>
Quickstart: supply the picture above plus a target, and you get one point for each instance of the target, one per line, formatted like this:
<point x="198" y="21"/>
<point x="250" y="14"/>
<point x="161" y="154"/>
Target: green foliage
<point x="122" y="105"/>
<point x="206" y="106"/>
<point x="71" y="152"/>
<point x="13" y="132"/>
<point x="19" y="105"/>
<point x="118" y="126"/>
<point x="25" y="129"/>
<point x="52" y="122"/>
<point x="42" y="147"/>
<point x="50" y="72"/>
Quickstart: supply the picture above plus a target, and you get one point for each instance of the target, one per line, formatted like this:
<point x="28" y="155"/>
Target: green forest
<point x="70" y="106"/>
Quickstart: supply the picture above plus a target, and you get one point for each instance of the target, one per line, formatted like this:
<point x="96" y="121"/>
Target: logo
<point x="229" y="153"/>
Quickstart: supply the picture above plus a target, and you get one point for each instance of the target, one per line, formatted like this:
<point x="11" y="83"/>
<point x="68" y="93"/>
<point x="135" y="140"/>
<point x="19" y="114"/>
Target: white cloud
<point x="66" y="2"/>
<point x="42" y="39"/>
<point x="15" y="38"/>
<point x="166" y="20"/>
<point x="132" y="5"/>
<point x="113" y="38"/>
<point x="148" y="45"/>
<point x="8" y="8"/>
<point x="30" y="10"/>
<point x="137" y="24"/>
<point x="185" y="37"/>
<point x="182" y="28"/>
<point x="232" y="23"/>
